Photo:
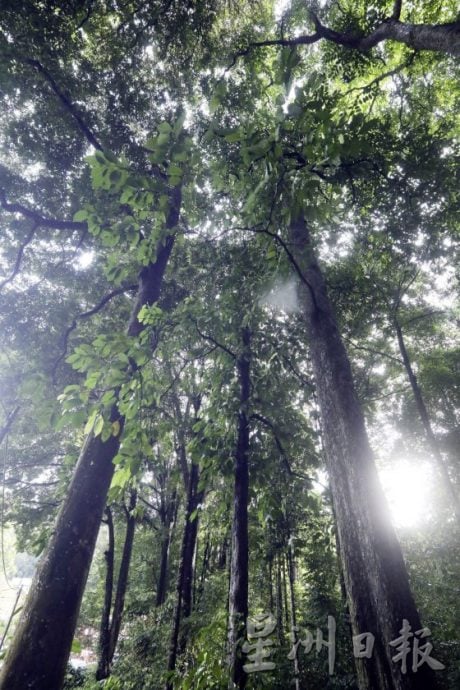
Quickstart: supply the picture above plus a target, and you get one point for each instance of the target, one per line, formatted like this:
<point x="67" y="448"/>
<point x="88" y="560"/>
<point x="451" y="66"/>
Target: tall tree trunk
<point x="185" y="574"/>
<point x="123" y="573"/>
<point x="375" y="575"/>
<point x="284" y="580"/>
<point x="103" y="666"/>
<point x="222" y="554"/>
<point x="204" y="569"/>
<point x="271" y="598"/>
<point x="291" y="573"/>
<point x="41" y="645"/>
<point x="238" y="595"/>
<point x="425" y="418"/>
<point x="167" y="519"/>
<point x="190" y="535"/>
<point x="279" y="601"/>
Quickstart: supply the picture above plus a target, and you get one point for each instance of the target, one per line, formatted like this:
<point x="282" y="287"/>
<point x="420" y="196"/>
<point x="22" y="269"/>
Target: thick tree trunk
<point x="425" y="418"/>
<point x="41" y="645"/>
<point x="238" y="595"/>
<point x="103" y="666"/>
<point x="375" y="575"/>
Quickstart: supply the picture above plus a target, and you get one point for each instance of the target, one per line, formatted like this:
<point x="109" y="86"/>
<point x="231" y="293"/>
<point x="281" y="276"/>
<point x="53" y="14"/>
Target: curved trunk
<point x="375" y="575"/>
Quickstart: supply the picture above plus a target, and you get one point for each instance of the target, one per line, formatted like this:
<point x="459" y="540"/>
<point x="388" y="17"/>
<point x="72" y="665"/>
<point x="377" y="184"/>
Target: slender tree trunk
<point x="122" y="582"/>
<point x="103" y="667"/>
<point x="222" y="557"/>
<point x="8" y="623"/>
<point x="41" y="645"/>
<point x="190" y="534"/>
<point x="204" y="570"/>
<point x="8" y="424"/>
<point x="279" y="601"/>
<point x="375" y="575"/>
<point x="238" y="598"/>
<point x="284" y="580"/>
<point x="163" y="574"/>
<point x="425" y="418"/>
<point x="185" y="574"/>
<point x="167" y="522"/>
<point x="271" y="598"/>
<point x="291" y="573"/>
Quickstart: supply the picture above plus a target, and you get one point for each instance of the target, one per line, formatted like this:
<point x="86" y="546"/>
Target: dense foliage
<point x="199" y="132"/>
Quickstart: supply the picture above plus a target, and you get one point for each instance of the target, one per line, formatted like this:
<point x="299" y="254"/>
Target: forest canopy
<point x="229" y="353"/>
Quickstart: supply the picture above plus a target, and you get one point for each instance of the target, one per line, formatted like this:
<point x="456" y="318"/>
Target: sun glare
<point x="85" y="259"/>
<point x="407" y="488"/>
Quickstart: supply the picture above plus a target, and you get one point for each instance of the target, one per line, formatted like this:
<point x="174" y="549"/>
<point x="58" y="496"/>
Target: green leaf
<point x="98" y="425"/>
<point x="237" y="135"/>
<point x="90" y="423"/>
<point x="164" y="128"/>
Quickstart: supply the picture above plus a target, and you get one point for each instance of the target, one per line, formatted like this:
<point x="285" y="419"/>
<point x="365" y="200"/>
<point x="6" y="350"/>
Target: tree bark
<point x="41" y="645"/>
<point x="375" y="575"/>
<point x="291" y="572"/>
<point x="204" y="569"/>
<point x="122" y="582"/>
<point x="167" y="518"/>
<point x="185" y="574"/>
<point x="103" y="667"/>
<point x="425" y="418"/>
<point x="190" y="537"/>
<point x="443" y="38"/>
<point x="279" y="601"/>
<point x="238" y="595"/>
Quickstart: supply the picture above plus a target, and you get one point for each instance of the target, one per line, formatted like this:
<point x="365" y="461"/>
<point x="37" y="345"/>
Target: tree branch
<point x="443" y="38"/>
<point x="20" y="254"/>
<point x="38" y="218"/>
<point x="289" y="255"/>
<point x="279" y="445"/>
<point x="66" y="102"/>
<point x="381" y="77"/>
<point x="8" y="424"/>
<point x="86" y="315"/>
<point x="372" y="351"/>
<point x="214" y="341"/>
